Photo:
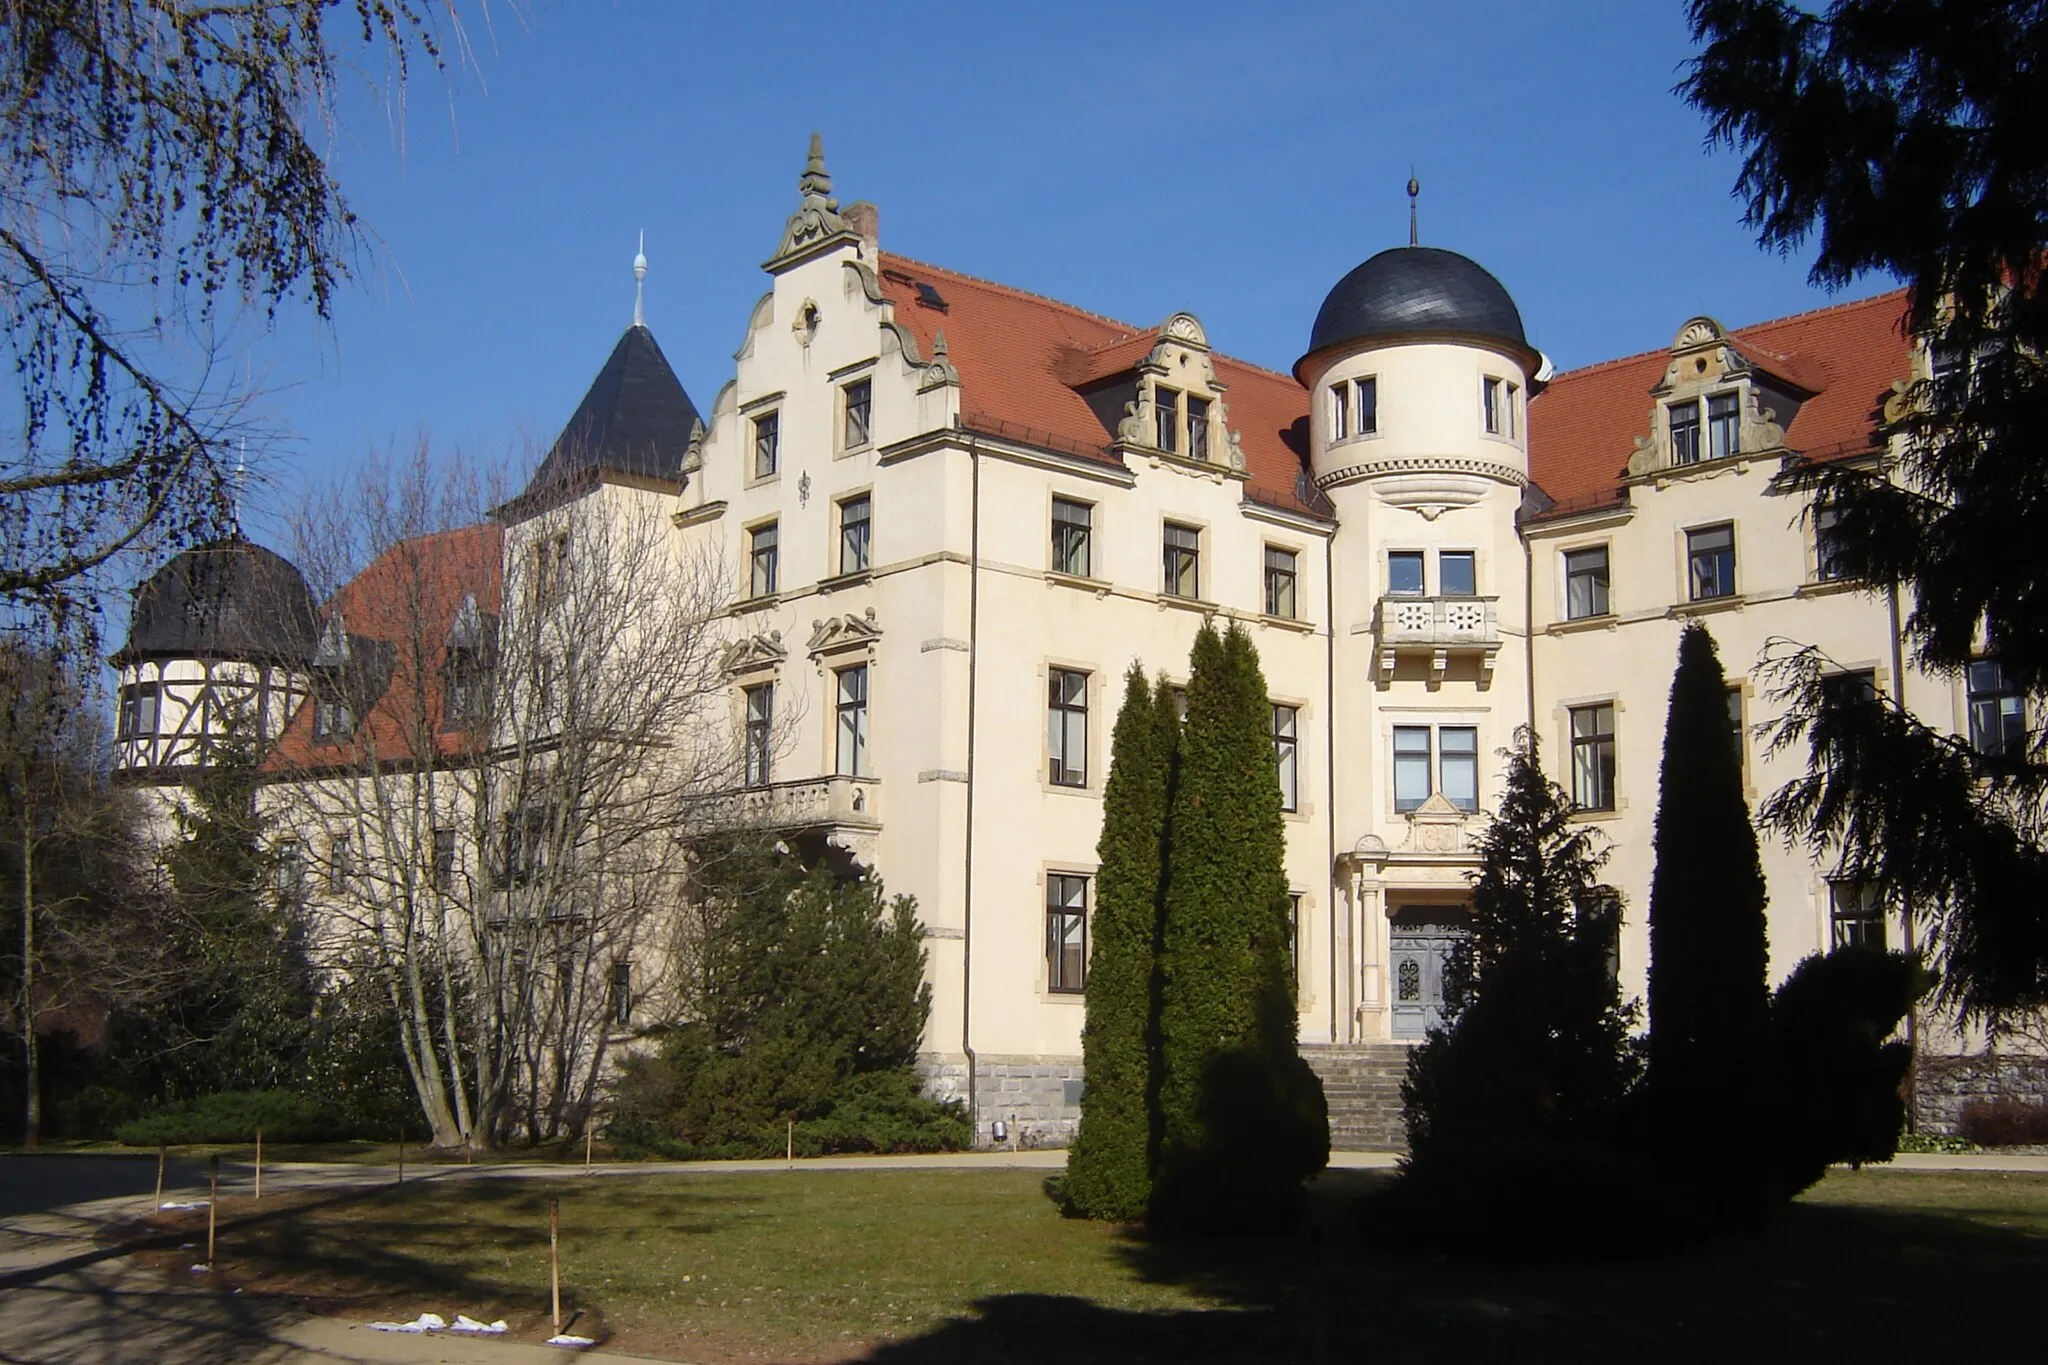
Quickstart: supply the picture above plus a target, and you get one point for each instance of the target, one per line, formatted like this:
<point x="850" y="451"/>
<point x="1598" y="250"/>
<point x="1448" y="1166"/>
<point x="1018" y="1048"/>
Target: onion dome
<point x="229" y="599"/>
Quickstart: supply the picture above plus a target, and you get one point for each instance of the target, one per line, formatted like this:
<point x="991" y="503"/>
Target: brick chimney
<point x="866" y="219"/>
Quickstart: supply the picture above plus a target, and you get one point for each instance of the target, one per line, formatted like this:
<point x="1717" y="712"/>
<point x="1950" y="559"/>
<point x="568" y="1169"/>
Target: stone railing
<point x="810" y="803"/>
<point x="1441" y="626"/>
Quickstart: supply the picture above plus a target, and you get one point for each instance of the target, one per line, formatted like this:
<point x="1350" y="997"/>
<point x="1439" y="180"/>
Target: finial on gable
<point x="1414" y="193"/>
<point x="640" y="282"/>
<point x="817" y="220"/>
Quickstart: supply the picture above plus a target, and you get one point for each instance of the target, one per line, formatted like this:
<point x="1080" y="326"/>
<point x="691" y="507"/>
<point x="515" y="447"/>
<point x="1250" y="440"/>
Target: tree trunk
<point x="32" y="1078"/>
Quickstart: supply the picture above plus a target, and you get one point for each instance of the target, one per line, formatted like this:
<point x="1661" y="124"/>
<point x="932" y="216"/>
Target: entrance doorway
<point x="1419" y="950"/>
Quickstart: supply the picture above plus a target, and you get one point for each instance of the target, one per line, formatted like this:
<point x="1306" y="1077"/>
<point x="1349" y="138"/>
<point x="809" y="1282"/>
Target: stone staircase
<point x="1363" y="1086"/>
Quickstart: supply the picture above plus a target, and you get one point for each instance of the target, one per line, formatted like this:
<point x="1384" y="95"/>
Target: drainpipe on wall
<point x="1906" y="911"/>
<point x="1528" y="627"/>
<point x="1330" y="750"/>
<point x="967" y="899"/>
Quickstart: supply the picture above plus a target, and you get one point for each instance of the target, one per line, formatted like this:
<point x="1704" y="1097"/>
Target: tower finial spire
<point x="1414" y="193"/>
<point x="816" y="181"/>
<point x="640" y="282"/>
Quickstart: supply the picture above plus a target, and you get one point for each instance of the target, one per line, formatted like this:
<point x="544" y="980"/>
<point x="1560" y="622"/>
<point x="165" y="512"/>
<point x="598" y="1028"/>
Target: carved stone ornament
<point x="1645" y="457"/>
<point x="834" y="633"/>
<point x="752" y="652"/>
<point x="1436" y="827"/>
<point x="1430" y="495"/>
<point x="1699" y="331"/>
<point x="693" y="458"/>
<point x="1185" y="328"/>
<point x="806" y="325"/>
<point x="1898" y="404"/>
<point x="940" y="373"/>
<point x="1134" y="429"/>
<point x="817" y="213"/>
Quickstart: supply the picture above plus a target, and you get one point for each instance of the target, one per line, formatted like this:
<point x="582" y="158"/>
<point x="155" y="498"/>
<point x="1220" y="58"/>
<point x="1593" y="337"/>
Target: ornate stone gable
<point x="837" y="634"/>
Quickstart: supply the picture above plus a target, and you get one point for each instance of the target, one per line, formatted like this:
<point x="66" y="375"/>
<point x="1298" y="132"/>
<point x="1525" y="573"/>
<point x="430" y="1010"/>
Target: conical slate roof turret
<point x="636" y="420"/>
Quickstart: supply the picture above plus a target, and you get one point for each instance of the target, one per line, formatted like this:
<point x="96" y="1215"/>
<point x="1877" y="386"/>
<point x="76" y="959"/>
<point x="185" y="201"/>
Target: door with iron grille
<point x="1421" y="941"/>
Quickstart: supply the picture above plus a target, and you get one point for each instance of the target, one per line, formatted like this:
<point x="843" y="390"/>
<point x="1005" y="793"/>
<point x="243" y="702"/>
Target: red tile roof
<point x="405" y="601"/>
<point x="1020" y="355"/>
<point x="1584" y="425"/>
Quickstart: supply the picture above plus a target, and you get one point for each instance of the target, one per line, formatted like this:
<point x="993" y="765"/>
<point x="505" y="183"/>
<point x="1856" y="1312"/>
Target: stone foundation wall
<point x="1036" y="1099"/>
<point x="1943" y="1085"/>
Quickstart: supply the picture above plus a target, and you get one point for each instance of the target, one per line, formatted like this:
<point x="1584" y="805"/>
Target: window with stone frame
<point x="1829" y="562"/>
<point x="850" y="710"/>
<point x="1685" y="431"/>
<point x="1166" y="417"/>
<point x="1340" y="411"/>
<point x="1066" y="932"/>
<point x="1281" y="581"/>
<point x="1182" y="561"/>
<point x="857" y="405"/>
<point x="854" y="534"/>
<point x="1998" y="712"/>
<point x="1592" y="735"/>
<point x="441" y="861"/>
<point x="767" y="444"/>
<point x="763" y="560"/>
<point x="1198" y="428"/>
<point x="1724" y="425"/>
<point x="1365" y="405"/>
<point x="622" y="993"/>
<point x="1855" y="915"/>
<point x="759" y="733"/>
<point x="1412" y="778"/>
<point x="1073" y="530"/>
<point x="1287" y="754"/>
<point x="1066" y="727"/>
<point x="1405" y="573"/>
<point x="1458" y="765"/>
<point x="1585" y="583"/>
<point x="1457" y="573"/>
<point x="1710" y="562"/>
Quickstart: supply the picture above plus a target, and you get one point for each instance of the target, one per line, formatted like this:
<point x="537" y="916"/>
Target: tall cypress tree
<point x="1709" y="1010"/>
<point x="1109" y="1170"/>
<point x="1241" y="1118"/>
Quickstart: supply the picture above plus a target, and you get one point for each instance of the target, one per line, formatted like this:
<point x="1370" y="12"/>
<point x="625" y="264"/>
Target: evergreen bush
<point x="2005" y="1121"/>
<point x="1709" y="1006"/>
<point x="235" y="1115"/>
<point x="1109" y="1168"/>
<point x="1838" y="1081"/>
<point x="1242" y="1118"/>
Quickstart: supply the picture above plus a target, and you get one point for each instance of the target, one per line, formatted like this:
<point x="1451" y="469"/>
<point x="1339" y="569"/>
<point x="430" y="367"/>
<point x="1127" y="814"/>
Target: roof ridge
<point x="1735" y="333"/>
<point x="1136" y="332"/>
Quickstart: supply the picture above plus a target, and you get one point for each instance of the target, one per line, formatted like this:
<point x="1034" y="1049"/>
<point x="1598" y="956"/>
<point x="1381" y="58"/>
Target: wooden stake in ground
<point x="259" y="1162"/>
<point x="555" y="1258"/>
<point x="401" y="1158"/>
<point x="212" y="1203"/>
<point x="587" y="1130"/>
<point x="789" y="1147"/>
<point x="161" y="1149"/>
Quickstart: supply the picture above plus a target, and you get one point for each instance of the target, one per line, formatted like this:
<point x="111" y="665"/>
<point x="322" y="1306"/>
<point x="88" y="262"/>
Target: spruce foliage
<point x="1535" y="1047"/>
<point x="1709" y="1011"/>
<point x="1242" y="1118"/>
<point x="1109" y="1169"/>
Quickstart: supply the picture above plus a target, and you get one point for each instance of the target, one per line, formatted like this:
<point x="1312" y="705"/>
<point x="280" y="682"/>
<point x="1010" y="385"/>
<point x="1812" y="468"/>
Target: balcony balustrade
<point x="1440" y="627"/>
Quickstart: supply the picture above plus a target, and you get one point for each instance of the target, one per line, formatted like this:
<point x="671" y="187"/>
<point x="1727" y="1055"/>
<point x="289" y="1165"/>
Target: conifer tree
<point x="1709" y="1010"/>
<point x="1535" y="1043"/>
<point x="1109" y="1170"/>
<point x="1242" y="1119"/>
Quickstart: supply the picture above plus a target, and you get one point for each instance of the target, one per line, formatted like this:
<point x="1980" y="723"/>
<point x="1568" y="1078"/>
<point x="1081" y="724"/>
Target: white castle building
<point x="954" y="513"/>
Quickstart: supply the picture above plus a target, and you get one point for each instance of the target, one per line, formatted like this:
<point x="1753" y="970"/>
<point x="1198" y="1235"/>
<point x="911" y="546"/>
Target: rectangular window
<point x="1490" y="405"/>
<point x="1066" y="727"/>
<point x="1404" y="573"/>
<point x="1166" y="417"/>
<point x="853" y="534"/>
<point x="1736" y="731"/>
<point x="767" y="444"/>
<point x="1183" y="561"/>
<point x="1685" y="432"/>
<point x="1510" y="406"/>
<point x="1368" y="391"/>
<point x="860" y="405"/>
<point x="1073" y="525"/>
<point x="1828" y="562"/>
<point x="1585" y="583"/>
<point x="1287" y="754"/>
<point x="526" y="833"/>
<point x="1340" y="411"/>
<point x="1457" y="573"/>
<point x="1066" y="932"/>
<point x="1857" y="915"/>
<point x="1457" y="748"/>
<point x="550" y="568"/>
<point x="1280" y="582"/>
<point x="763" y="560"/>
<point x="442" y="869"/>
<point x="138" y="718"/>
<point x="1411" y="766"/>
<point x="1593" y="757"/>
<point x="465" y="700"/>
<point x="852" y="730"/>
<point x="332" y="718"/>
<point x="760" y="734"/>
<point x="1998" y="713"/>
<point x="1710" y="562"/>
<point x="622" y="993"/>
<point x="1724" y="425"/>
<point x="1198" y="428"/>
<point x="289" y="874"/>
<point x="1294" y="939"/>
<point x="341" y="864"/>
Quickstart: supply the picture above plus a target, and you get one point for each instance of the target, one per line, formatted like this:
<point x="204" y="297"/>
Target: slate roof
<point x="636" y="419"/>
<point x="1583" y="427"/>
<point x="1407" y="290"/>
<point x="1020" y="356"/>
<point x="229" y="599"/>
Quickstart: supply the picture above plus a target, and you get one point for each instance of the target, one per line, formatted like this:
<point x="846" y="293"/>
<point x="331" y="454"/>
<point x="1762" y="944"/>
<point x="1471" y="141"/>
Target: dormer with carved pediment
<point x="1159" y="398"/>
<point x="1719" y="402"/>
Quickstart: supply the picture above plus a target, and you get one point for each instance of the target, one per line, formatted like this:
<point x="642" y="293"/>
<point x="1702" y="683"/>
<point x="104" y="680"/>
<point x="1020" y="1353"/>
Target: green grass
<point x="936" y="1265"/>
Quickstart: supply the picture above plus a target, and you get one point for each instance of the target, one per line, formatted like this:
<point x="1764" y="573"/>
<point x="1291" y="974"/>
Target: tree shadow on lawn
<point x="1826" y="1282"/>
<point x="477" y="1247"/>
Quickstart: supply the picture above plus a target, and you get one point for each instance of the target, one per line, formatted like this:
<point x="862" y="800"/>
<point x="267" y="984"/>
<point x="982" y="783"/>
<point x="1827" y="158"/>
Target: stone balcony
<point x="1441" y="628"/>
<point x="845" y="811"/>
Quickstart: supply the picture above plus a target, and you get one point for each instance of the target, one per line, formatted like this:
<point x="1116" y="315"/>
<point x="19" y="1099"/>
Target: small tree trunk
<point x="32" y="1070"/>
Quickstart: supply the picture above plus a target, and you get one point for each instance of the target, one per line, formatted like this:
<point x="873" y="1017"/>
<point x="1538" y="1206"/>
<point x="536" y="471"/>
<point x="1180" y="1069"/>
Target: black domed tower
<point x="1418" y="372"/>
<point x="218" y="640"/>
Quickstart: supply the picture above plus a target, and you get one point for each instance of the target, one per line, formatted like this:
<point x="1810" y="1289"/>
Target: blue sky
<point x="1232" y="160"/>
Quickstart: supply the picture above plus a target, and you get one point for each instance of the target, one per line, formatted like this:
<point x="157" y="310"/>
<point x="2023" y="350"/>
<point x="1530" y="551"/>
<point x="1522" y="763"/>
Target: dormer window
<point x="1166" y="418"/>
<point x="333" y="718"/>
<point x="1722" y="436"/>
<point x="1685" y="432"/>
<point x="1198" y="428"/>
<point x="1724" y="425"/>
<point x="465" y="700"/>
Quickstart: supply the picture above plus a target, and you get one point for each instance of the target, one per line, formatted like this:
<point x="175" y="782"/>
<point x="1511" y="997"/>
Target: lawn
<point x="978" y="1265"/>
